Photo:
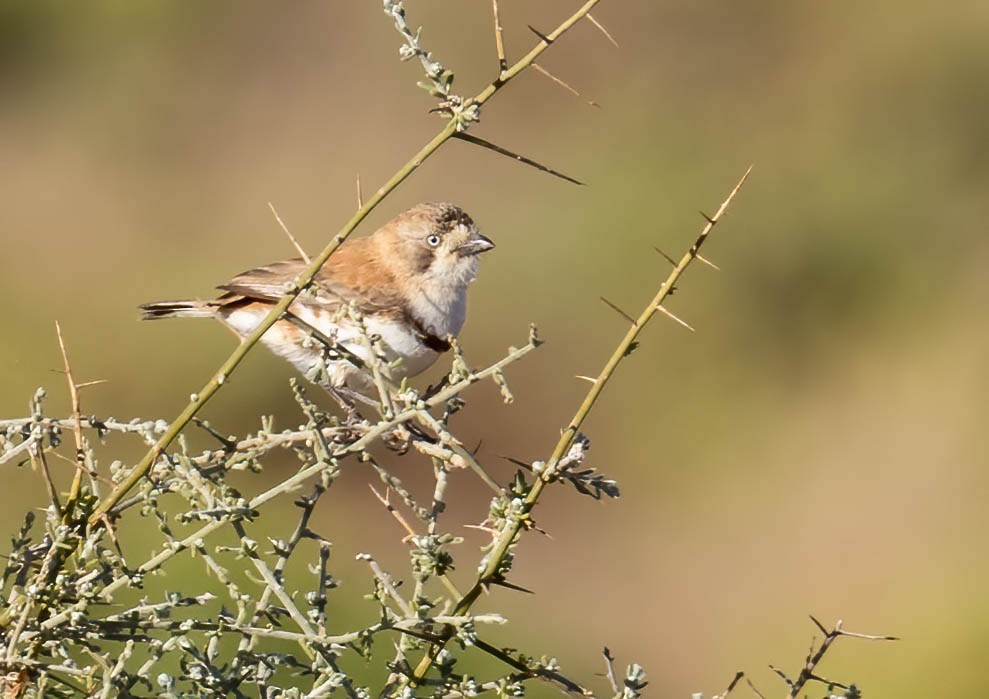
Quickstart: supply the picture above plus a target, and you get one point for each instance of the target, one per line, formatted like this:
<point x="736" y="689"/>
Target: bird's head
<point x="434" y="244"/>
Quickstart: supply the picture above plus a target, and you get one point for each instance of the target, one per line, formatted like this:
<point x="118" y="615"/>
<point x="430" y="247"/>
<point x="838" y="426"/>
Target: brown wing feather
<point x="353" y="274"/>
<point x="267" y="282"/>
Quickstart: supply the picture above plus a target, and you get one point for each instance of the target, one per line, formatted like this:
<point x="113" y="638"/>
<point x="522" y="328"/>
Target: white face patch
<point x="452" y="270"/>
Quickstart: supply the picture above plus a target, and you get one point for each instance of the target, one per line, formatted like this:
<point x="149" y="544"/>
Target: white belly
<point x="399" y="342"/>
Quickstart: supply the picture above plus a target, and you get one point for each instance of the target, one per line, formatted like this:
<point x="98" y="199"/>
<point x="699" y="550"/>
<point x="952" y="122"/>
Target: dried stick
<point x="807" y="672"/>
<point x="82" y="462"/>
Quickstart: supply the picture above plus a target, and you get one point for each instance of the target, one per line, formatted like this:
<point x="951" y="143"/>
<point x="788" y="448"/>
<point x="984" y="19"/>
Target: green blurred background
<point x="817" y="446"/>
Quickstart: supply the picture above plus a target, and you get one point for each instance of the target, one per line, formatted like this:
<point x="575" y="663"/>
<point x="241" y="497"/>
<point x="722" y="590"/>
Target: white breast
<point x="400" y="342"/>
<point x="399" y="339"/>
<point x="441" y="310"/>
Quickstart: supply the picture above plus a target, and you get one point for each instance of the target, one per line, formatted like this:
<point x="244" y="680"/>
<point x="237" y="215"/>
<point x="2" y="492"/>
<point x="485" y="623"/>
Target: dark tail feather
<point x="175" y="309"/>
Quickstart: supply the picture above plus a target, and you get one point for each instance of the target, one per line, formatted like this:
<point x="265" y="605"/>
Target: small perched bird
<point x="407" y="282"/>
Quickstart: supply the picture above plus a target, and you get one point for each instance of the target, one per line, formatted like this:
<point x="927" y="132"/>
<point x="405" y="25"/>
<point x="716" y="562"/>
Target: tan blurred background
<point x="817" y="446"/>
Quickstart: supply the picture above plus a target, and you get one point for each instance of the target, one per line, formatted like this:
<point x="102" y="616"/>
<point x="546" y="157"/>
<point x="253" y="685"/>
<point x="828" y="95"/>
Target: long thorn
<point x="619" y="311"/>
<point x="731" y="686"/>
<point x="80" y="461"/>
<point x="295" y="243"/>
<point x="868" y="636"/>
<point x="87" y="384"/>
<point x="384" y="500"/>
<point x="38" y="453"/>
<point x="547" y="39"/>
<point x="564" y="85"/>
<point x="789" y="682"/>
<point x="499" y="40"/>
<point x="662" y="309"/>
<point x="755" y="689"/>
<point x="665" y="256"/>
<point x="819" y="625"/>
<point x="590" y="18"/>
<point x="521" y="158"/>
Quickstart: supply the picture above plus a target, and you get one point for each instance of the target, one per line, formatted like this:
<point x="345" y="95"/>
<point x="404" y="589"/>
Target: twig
<point x="807" y="672"/>
<point x="457" y="448"/>
<point x="731" y="686"/>
<point x="387" y="585"/>
<point x="384" y="500"/>
<point x="38" y="454"/>
<point x="301" y="531"/>
<point x="272" y="583"/>
<point x="410" y="534"/>
<point x="24" y="446"/>
<point x="81" y="460"/>
<point x="296" y="479"/>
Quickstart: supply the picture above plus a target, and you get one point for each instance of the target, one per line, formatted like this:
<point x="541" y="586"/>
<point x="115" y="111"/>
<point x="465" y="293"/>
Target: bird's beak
<point x="475" y="246"/>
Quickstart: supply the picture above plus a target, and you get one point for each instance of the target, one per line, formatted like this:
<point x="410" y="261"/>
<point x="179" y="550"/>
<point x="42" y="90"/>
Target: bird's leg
<point x="347" y="399"/>
<point x="433" y="390"/>
<point x="399" y="439"/>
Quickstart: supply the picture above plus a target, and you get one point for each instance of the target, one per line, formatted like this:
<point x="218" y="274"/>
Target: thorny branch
<point x="461" y="114"/>
<point x="808" y="672"/>
<point x="571" y="446"/>
<point x="74" y="617"/>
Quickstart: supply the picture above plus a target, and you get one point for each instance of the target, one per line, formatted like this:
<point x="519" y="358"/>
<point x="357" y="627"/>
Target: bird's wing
<point x="343" y="280"/>
<point x="269" y="283"/>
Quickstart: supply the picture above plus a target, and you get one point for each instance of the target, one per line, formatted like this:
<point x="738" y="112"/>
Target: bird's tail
<point x="175" y="309"/>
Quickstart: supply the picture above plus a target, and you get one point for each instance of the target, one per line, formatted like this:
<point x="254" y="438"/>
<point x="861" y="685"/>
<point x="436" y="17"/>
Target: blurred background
<point x="817" y="446"/>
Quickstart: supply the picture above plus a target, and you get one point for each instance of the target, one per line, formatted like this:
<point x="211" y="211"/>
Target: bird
<point x="405" y="283"/>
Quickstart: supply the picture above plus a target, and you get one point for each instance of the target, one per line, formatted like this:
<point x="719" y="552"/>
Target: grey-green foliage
<point x="82" y="613"/>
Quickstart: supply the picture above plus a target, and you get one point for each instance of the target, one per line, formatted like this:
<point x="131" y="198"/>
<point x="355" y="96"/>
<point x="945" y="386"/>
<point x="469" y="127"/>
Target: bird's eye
<point x="433" y="240"/>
